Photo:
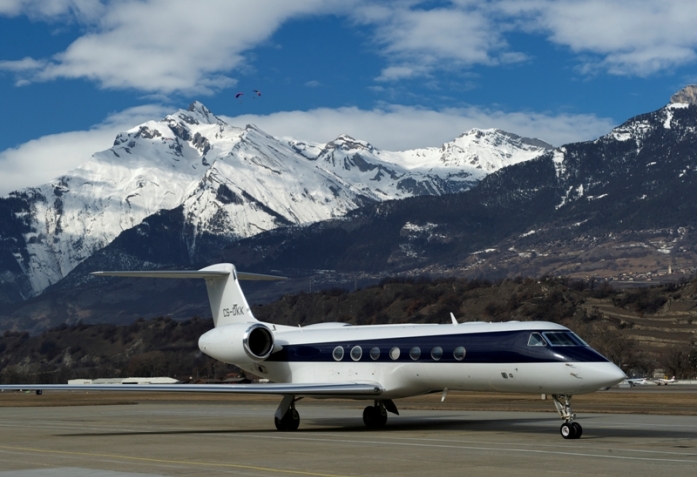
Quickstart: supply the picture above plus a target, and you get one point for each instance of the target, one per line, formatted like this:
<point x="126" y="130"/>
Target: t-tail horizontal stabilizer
<point x="228" y="304"/>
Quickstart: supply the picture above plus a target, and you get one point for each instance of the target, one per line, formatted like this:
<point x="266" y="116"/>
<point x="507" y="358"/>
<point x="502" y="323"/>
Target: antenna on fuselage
<point x="452" y="317"/>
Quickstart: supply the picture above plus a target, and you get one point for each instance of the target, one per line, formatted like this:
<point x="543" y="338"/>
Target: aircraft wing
<point x="309" y="389"/>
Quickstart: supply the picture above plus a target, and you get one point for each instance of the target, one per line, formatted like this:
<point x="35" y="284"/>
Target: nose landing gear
<point x="570" y="429"/>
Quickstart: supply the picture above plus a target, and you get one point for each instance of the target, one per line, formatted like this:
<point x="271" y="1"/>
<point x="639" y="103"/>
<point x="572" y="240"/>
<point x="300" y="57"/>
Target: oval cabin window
<point x="394" y="353"/>
<point x="356" y="353"/>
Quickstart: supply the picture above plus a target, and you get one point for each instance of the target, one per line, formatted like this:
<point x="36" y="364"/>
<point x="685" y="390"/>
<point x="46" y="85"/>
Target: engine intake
<point x="239" y="343"/>
<point x="258" y="342"/>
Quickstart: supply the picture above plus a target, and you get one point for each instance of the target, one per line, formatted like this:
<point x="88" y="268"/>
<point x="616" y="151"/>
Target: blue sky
<point x="399" y="74"/>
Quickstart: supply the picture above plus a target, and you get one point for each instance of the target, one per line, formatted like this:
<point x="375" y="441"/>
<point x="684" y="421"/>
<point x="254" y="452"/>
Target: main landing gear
<point x="375" y="416"/>
<point x="570" y="429"/>
<point x="287" y="418"/>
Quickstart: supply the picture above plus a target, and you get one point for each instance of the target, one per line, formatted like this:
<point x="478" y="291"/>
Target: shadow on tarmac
<point x="537" y="426"/>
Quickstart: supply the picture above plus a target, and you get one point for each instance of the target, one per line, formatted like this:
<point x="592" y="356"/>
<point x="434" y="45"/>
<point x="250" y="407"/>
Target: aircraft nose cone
<point x="610" y="375"/>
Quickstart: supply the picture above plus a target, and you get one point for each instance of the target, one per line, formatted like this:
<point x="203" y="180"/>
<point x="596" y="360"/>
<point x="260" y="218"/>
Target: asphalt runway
<point x="239" y="438"/>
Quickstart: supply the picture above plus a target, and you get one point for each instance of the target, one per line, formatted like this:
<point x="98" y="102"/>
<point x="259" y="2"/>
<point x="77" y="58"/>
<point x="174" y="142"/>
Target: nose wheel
<point x="570" y="429"/>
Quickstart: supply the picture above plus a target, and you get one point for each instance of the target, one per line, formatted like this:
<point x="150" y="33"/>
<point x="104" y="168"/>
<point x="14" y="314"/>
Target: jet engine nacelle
<point x="238" y="343"/>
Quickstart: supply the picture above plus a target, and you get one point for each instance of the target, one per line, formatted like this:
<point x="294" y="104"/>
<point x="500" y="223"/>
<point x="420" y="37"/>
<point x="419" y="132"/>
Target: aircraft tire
<point x="289" y="422"/>
<point x="568" y="431"/>
<point x="374" y="417"/>
<point x="578" y="430"/>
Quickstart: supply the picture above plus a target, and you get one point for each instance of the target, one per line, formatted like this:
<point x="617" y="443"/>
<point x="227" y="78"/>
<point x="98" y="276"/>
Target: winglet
<point x="452" y="317"/>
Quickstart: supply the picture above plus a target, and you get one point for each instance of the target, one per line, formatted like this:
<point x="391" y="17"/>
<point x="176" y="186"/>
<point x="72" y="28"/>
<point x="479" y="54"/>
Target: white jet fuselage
<point x="408" y="360"/>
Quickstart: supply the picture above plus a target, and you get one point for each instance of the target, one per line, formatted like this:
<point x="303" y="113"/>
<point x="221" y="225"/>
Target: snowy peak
<point x="490" y="150"/>
<point x="347" y="153"/>
<point x="201" y="114"/>
<point x="471" y="156"/>
<point x="687" y="95"/>
<point x="348" y="144"/>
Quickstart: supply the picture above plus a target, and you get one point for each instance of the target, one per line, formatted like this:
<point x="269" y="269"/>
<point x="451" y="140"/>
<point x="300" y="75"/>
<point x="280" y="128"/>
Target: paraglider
<point x="239" y="95"/>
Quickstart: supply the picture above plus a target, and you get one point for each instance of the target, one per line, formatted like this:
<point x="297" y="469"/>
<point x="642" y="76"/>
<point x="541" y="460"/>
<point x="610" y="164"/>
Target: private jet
<point x="664" y="381"/>
<point x="380" y="363"/>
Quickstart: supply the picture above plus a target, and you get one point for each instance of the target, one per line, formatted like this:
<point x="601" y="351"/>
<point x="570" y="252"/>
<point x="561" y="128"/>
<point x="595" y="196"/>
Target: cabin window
<point x="437" y="353"/>
<point x="338" y="353"/>
<point x="563" y="338"/>
<point x="394" y="353"/>
<point x="356" y="353"/>
<point x="459" y="353"/>
<point x="415" y="353"/>
<point x="536" y="339"/>
<point x="375" y="353"/>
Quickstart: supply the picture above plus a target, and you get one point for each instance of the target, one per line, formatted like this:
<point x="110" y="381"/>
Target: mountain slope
<point x="638" y="177"/>
<point x="227" y="182"/>
<point x="626" y="194"/>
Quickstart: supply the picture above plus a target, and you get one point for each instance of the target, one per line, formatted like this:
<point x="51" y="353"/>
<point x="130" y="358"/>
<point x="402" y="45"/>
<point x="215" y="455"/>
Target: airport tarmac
<point x="238" y="438"/>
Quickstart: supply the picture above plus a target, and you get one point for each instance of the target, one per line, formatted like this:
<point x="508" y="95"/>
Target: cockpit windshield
<point x="563" y="338"/>
<point x="536" y="339"/>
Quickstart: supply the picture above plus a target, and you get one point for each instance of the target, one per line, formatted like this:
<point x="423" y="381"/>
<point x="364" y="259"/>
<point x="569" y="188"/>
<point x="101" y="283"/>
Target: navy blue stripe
<point x="490" y="347"/>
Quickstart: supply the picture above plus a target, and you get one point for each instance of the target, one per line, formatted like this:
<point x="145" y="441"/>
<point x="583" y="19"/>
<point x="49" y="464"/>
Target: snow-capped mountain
<point x="570" y="205"/>
<point x="477" y="151"/>
<point x="580" y="208"/>
<point x="231" y="182"/>
<point x="634" y="162"/>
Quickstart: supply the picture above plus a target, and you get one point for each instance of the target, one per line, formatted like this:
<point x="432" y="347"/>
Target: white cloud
<point x="417" y="41"/>
<point x="53" y="10"/>
<point x="162" y="46"/>
<point x="168" y="46"/>
<point x="25" y="64"/>
<point x="627" y="37"/>
<point x="40" y="160"/>
<point x="397" y="127"/>
<point x="623" y="37"/>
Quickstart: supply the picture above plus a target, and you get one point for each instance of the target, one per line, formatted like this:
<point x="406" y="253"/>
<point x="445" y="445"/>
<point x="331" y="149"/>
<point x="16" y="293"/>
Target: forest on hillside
<point x="640" y="329"/>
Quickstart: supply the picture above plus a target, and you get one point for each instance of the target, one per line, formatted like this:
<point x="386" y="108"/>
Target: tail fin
<point x="227" y="301"/>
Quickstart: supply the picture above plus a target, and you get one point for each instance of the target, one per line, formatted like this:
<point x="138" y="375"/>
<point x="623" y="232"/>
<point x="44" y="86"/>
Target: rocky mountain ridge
<point x="630" y="187"/>
<point x="226" y="182"/>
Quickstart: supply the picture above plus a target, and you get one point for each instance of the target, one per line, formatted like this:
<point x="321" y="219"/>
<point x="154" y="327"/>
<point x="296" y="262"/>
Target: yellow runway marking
<point x="165" y="461"/>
